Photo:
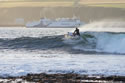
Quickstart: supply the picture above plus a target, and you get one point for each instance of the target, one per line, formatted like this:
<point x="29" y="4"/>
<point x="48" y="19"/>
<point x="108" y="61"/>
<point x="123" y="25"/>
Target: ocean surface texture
<point x="99" y="51"/>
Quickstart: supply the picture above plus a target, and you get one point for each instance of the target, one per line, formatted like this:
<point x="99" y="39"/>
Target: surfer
<point x="76" y="32"/>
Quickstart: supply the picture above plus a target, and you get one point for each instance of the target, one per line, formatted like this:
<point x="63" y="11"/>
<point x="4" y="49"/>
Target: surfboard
<point x="70" y="35"/>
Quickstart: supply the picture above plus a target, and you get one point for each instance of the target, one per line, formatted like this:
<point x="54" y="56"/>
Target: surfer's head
<point x="76" y="28"/>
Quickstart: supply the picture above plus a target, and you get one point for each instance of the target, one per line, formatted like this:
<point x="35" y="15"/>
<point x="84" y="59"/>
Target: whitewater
<point x="99" y="50"/>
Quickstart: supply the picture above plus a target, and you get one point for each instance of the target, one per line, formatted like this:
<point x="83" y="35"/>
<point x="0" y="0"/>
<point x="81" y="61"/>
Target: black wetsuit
<point x="76" y="32"/>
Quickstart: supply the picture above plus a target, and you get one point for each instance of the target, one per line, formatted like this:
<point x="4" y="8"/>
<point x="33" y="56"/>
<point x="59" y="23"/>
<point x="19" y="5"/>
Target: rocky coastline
<point x="63" y="78"/>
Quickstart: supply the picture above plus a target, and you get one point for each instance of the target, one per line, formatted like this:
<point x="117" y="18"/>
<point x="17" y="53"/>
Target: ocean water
<point x="99" y="50"/>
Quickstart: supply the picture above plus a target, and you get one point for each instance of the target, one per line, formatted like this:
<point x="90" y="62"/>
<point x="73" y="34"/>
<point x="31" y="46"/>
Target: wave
<point x="47" y="42"/>
<point x="100" y="37"/>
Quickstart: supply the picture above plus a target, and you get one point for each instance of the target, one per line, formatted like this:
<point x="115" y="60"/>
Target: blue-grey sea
<point x="99" y="51"/>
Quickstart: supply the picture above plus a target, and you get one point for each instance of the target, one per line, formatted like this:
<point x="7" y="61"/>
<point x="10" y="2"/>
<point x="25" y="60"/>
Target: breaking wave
<point x="104" y="37"/>
<point x="46" y="50"/>
<point x="99" y="37"/>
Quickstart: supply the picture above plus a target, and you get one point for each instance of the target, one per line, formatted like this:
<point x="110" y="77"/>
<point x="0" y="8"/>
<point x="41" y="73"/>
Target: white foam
<point x="16" y="62"/>
<point x="113" y="42"/>
<point x="20" y="63"/>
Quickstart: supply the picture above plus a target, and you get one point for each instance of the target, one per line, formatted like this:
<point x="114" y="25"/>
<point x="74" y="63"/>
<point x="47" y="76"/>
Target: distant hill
<point x="102" y="1"/>
<point x="82" y="1"/>
<point x="36" y="0"/>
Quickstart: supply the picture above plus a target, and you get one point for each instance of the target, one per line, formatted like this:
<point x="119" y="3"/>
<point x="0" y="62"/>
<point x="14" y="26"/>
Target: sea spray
<point x="103" y="36"/>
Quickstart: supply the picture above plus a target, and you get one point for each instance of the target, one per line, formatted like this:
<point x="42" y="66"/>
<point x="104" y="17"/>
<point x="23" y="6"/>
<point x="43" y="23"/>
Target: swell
<point x="94" y="42"/>
<point x="47" y="42"/>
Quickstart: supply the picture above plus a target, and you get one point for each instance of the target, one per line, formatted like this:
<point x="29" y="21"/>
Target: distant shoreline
<point x="15" y="4"/>
<point x="20" y="16"/>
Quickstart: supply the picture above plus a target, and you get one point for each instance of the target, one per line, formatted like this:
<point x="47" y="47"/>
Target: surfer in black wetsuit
<point x="76" y="32"/>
